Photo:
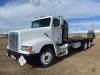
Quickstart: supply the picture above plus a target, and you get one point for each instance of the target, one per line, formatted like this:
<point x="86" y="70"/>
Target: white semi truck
<point x="47" y="38"/>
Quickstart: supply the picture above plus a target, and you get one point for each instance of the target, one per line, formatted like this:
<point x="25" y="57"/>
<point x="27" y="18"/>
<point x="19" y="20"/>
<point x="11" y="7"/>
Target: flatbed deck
<point x="76" y="39"/>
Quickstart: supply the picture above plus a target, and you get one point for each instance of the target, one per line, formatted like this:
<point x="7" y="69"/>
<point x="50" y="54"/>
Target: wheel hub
<point x="46" y="58"/>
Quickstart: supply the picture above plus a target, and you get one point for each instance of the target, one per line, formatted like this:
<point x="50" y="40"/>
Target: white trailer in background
<point x="47" y="38"/>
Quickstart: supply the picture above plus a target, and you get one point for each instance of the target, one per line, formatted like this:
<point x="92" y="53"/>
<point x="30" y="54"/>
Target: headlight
<point x="28" y="48"/>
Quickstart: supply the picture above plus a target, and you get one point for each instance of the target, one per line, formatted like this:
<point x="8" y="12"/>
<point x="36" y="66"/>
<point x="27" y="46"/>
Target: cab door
<point x="56" y="31"/>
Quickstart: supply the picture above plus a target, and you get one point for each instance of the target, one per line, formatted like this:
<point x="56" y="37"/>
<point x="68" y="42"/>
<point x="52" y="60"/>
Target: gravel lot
<point x="76" y="63"/>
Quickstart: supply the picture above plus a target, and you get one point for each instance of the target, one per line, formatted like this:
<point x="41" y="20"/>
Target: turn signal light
<point x="29" y="48"/>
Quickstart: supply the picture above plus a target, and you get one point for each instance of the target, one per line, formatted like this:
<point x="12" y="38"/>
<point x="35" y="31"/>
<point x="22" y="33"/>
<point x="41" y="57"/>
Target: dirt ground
<point x="76" y="63"/>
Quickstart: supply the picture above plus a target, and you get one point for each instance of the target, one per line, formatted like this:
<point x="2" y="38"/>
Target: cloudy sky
<point x="81" y="15"/>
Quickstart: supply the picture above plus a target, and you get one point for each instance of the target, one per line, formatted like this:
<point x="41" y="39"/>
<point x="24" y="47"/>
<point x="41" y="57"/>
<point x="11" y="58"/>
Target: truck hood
<point x="26" y="35"/>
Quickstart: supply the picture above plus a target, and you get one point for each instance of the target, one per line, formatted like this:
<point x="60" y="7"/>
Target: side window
<point x="56" y="22"/>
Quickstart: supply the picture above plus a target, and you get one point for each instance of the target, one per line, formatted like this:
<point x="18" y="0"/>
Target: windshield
<point x="41" y="23"/>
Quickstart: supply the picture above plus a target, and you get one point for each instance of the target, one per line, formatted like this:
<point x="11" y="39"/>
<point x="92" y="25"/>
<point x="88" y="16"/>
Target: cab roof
<point x="42" y="17"/>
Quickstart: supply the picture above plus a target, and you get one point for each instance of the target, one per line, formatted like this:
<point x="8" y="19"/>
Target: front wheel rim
<point x="46" y="58"/>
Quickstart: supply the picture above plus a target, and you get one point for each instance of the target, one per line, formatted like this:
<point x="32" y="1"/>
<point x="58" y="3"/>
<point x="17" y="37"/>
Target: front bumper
<point x="16" y="55"/>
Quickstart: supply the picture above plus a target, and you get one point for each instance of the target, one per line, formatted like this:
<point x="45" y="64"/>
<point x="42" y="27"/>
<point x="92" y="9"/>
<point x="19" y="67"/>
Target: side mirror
<point x="61" y="21"/>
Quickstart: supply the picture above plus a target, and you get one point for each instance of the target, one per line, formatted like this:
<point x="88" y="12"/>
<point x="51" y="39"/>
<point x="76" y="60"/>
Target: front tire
<point x="46" y="57"/>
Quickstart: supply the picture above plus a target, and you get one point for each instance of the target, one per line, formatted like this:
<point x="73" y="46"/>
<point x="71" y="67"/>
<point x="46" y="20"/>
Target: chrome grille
<point x="13" y="41"/>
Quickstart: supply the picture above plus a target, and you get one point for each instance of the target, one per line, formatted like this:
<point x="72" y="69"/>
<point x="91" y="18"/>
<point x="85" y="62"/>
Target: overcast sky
<point x="80" y="14"/>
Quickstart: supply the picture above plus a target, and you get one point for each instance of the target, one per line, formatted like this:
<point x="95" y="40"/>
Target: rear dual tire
<point x="85" y="45"/>
<point x="89" y="44"/>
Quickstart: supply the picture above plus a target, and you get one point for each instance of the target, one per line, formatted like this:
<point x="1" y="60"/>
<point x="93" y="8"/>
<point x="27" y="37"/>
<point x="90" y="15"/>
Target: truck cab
<point x="44" y="38"/>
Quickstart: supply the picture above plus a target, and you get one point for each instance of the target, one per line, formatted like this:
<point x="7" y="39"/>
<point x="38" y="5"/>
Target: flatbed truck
<point x="47" y="39"/>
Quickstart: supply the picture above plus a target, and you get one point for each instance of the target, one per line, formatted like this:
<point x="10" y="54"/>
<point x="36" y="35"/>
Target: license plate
<point x="22" y="60"/>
